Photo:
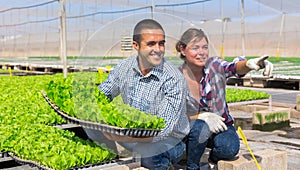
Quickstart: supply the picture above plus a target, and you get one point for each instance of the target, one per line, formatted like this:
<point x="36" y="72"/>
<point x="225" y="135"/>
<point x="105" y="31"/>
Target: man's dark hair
<point x="144" y="24"/>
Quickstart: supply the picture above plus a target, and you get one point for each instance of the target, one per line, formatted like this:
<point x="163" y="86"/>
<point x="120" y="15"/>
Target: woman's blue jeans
<point x="224" y="145"/>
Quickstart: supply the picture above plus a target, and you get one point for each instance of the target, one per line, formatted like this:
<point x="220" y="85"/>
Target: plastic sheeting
<point x="100" y="27"/>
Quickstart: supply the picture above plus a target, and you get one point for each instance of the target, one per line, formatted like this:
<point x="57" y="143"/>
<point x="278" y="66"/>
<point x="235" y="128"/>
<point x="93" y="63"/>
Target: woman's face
<point x="196" y="52"/>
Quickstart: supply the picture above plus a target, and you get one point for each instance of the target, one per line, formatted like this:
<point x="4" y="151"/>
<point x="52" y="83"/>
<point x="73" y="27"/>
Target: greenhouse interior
<point x="55" y="54"/>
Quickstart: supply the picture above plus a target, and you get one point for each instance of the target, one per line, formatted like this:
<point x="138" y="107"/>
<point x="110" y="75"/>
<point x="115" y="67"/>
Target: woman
<point x="208" y="110"/>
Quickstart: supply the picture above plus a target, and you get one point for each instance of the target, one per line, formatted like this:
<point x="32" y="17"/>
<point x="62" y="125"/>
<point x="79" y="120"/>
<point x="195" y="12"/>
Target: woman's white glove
<point x="214" y="121"/>
<point x="261" y="63"/>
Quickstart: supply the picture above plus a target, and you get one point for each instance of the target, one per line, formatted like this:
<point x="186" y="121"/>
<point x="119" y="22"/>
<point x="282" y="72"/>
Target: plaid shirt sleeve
<point x="228" y="68"/>
<point x="111" y="86"/>
<point x="217" y="71"/>
<point x="173" y="110"/>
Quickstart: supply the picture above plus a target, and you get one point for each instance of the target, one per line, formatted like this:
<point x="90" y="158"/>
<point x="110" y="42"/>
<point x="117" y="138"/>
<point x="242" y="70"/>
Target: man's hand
<point x="261" y="63"/>
<point x="214" y="121"/>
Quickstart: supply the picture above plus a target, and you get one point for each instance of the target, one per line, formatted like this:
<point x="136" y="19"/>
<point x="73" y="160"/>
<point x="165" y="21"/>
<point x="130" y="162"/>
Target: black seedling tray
<point x="132" y="132"/>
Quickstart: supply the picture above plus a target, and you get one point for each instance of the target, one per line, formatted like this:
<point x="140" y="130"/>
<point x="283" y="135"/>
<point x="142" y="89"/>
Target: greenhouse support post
<point x="62" y="31"/>
<point x="152" y="9"/>
<point x="280" y="35"/>
<point x="243" y="27"/>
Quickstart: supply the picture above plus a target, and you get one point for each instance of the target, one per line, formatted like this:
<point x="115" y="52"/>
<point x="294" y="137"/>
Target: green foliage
<point x="21" y="101"/>
<point x="277" y="116"/>
<point x="259" y="117"/>
<point x="24" y="116"/>
<point x="273" y="117"/>
<point x="51" y="147"/>
<point x="130" y="117"/>
<point x="237" y="95"/>
<point x="79" y="97"/>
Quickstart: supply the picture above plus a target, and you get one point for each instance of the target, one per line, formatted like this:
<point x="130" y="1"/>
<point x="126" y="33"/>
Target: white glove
<point x="260" y="63"/>
<point x="214" y="121"/>
<point x="268" y="69"/>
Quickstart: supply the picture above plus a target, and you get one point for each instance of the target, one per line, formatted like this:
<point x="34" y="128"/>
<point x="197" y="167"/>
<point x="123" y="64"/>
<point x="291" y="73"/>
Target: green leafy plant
<point x="238" y="95"/>
<point x="51" y="147"/>
<point x="259" y="118"/>
<point x="24" y="127"/>
<point x="277" y="116"/>
<point x="79" y="97"/>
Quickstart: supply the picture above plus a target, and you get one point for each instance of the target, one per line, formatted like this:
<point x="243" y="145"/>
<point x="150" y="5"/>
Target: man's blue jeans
<point x="158" y="155"/>
<point x="224" y="145"/>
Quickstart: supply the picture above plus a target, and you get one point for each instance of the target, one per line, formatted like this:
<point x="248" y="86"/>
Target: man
<point x="148" y="82"/>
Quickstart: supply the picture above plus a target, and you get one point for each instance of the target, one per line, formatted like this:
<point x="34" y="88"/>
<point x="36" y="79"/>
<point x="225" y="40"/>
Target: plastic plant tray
<point x="27" y="162"/>
<point x="41" y="167"/>
<point x="132" y="132"/>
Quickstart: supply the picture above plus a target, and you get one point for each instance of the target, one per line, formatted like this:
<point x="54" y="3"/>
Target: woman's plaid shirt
<point x="213" y="87"/>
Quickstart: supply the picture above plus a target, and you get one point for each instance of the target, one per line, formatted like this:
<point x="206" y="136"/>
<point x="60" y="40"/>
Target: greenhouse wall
<point x="96" y="27"/>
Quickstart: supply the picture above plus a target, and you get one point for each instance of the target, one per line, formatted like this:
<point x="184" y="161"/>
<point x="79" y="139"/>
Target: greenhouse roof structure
<point x="104" y="27"/>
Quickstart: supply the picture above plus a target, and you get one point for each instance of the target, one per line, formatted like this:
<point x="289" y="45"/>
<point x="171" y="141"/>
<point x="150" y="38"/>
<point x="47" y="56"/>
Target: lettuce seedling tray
<point x="27" y="162"/>
<point x="132" y="132"/>
<point x="93" y="166"/>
